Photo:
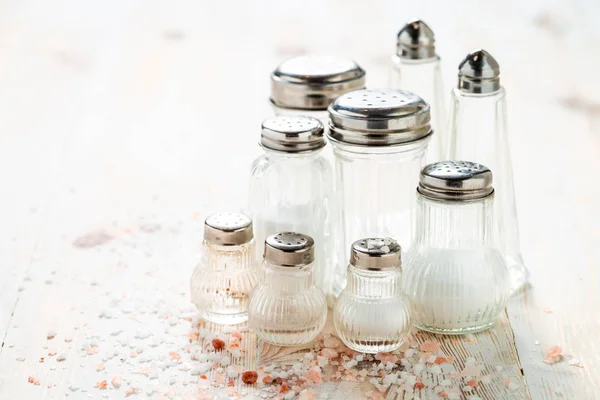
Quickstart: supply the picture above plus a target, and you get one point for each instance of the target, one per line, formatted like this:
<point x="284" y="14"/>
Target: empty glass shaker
<point x="379" y="137"/>
<point x="478" y="132"/>
<point x="371" y="314"/>
<point x="291" y="186"/>
<point x="416" y="68"/>
<point x="455" y="277"/>
<point x="221" y="284"/>
<point x="287" y="308"/>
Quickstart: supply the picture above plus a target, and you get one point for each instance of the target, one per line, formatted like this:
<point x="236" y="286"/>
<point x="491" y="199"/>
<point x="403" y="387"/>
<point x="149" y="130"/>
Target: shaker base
<point x="373" y="346"/>
<point x="225" y="319"/>
<point x="454" y="331"/>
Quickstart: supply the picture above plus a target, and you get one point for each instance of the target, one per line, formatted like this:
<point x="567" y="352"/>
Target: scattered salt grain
<point x="21" y="359"/>
<point x="575" y="363"/>
<point x="51" y="334"/>
<point x="61" y="357"/>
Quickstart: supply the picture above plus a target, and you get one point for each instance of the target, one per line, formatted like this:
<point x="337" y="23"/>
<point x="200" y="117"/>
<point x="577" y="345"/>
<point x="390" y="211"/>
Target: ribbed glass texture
<point x="371" y="314"/>
<point x="287" y="308"/>
<point x="221" y="284"/>
<point x="455" y="278"/>
<point x="478" y="133"/>
<point x="424" y="78"/>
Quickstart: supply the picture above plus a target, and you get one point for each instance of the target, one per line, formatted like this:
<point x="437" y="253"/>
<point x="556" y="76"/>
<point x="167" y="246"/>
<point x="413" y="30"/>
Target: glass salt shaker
<point x="287" y="308"/>
<point x="290" y="187"/>
<point x="416" y="68"/>
<point x="371" y="314"/>
<point x="455" y="277"/>
<point x="379" y="137"/>
<point x="221" y="284"/>
<point x="478" y="131"/>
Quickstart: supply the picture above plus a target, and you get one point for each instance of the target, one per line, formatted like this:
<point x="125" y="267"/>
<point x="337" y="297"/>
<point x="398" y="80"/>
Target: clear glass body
<point x="371" y="314"/>
<point x="455" y="278"/>
<point x="478" y="133"/>
<point x="287" y="308"/>
<point x="424" y="78"/>
<point x="292" y="192"/>
<point x="374" y="197"/>
<point x="221" y="284"/>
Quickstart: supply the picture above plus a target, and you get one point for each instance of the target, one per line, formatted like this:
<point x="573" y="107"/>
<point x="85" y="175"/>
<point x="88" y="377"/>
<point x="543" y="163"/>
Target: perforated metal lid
<point x="228" y="229"/>
<point x="379" y="117"/>
<point x="313" y="82"/>
<point x="292" y="134"/>
<point x="376" y="254"/>
<point x="455" y="181"/>
<point x="479" y="72"/>
<point x="289" y="249"/>
<point x="416" y="41"/>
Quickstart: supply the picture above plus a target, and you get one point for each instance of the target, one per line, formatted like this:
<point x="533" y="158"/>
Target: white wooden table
<point x="123" y="123"/>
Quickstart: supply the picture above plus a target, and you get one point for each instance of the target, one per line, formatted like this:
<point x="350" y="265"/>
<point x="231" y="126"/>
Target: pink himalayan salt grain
<point x="100" y="367"/>
<point x="386" y="358"/>
<point x="553" y="355"/>
<point x="116" y="382"/>
<point x="430" y="346"/>
<point x="331" y="342"/>
<point x="236" y="334"/>
<point x="329" y="353"/>
<point x="314" y="374"/>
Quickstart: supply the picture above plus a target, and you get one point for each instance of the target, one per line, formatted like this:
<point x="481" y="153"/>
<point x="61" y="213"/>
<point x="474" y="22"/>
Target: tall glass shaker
<point x="416" y="68"/>
<point x="291" y="187"/>
<point x="454" y="275"/>
<point x="379" y="137"/>
<point x="478" y="131"/>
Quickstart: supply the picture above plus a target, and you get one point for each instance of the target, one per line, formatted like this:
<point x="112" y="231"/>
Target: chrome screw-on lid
<point x="479" y="72"/>
<point x="376" y="254"/>
<point x="416" y="41"/>
<point x="228" y="229"/>
<point x="379" y="117"/>
<point x="313" y="82"/>
<point x="289" y="249"/>
<point x="292" y="134"/>
<point x="455" y="181"/>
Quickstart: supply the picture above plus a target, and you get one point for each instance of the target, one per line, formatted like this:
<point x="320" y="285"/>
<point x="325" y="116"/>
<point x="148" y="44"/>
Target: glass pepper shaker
<point x="371" y="314"/>
<point x="455" y="277"/>
<point x="287" y="308"/>
<point x="221" y="284"/>
<point x="417" y="68"/>
<point x="478" y="132"/>
<point x="290" y="187"/>
<point x="379" y="137"/>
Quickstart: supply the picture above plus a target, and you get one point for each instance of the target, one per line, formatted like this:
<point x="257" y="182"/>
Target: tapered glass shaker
<point x="291" y="187"/>
<point x="371" y="314"/>
<point x="221" y="284"/>
<point x="478" y="131"/>
<point x="379" y="138"/>
<point x="287" y="308"/>
<point x="455" y="277"/>
<point x="416" y="68"/>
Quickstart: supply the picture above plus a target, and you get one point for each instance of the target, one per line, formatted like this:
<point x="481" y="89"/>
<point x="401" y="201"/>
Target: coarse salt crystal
<point x="575" y="363"/>
<point x="51" y="334"/>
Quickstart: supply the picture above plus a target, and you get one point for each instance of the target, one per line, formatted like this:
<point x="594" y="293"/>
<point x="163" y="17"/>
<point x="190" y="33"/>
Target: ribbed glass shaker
<point x="455" y="277"/>
<point x="287" y="308"/>
<point x="371" y="314"/>
<point x="221" y="284"/>
<point x="291" y="187"/>
<point x="379" y="137"/>
<point x="478" y="131"/>
<point x="416" y="67"/>
<point x="307" y="85"/>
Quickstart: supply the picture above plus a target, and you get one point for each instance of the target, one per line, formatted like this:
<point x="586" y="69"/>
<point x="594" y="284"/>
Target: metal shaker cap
<point x="289" y="249"/>
<point x="416" y="41"/>
<point x="313" y="82"/>
<point x="292" y="134"/>
<point x="379" y="117"/>
<point x="228" y="229"/>
<point x="376" y="254"/>
<point x="455" y="181"/>
<point x="479" y="72"/>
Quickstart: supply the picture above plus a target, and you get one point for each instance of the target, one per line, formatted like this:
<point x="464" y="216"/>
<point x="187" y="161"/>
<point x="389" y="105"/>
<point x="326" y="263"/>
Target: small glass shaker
<point x="478" y="131"/>
<point x="455" y="277"/>
<point x="371" y="314"/>
<point x="417" y="68"/>
<point x="221" y="284"/>
<point x="287" y="308"/>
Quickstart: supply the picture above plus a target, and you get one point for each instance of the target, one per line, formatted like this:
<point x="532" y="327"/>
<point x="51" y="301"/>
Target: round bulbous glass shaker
<point x="291" y="187"/>
<point x="379" y="138"/>
<point x="455" y="277"/>
<point x="478" y="131"/>
<point x="417" y="68"/>
<point x="221" y="284"/>
<point x="371" y="315"/>
<point x="287" y="308"/>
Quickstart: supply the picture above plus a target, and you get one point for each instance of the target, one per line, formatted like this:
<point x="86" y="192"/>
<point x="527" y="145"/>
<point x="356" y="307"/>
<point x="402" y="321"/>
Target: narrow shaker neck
<point x="288" y="280"/>
<point x="380" y="284"/>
